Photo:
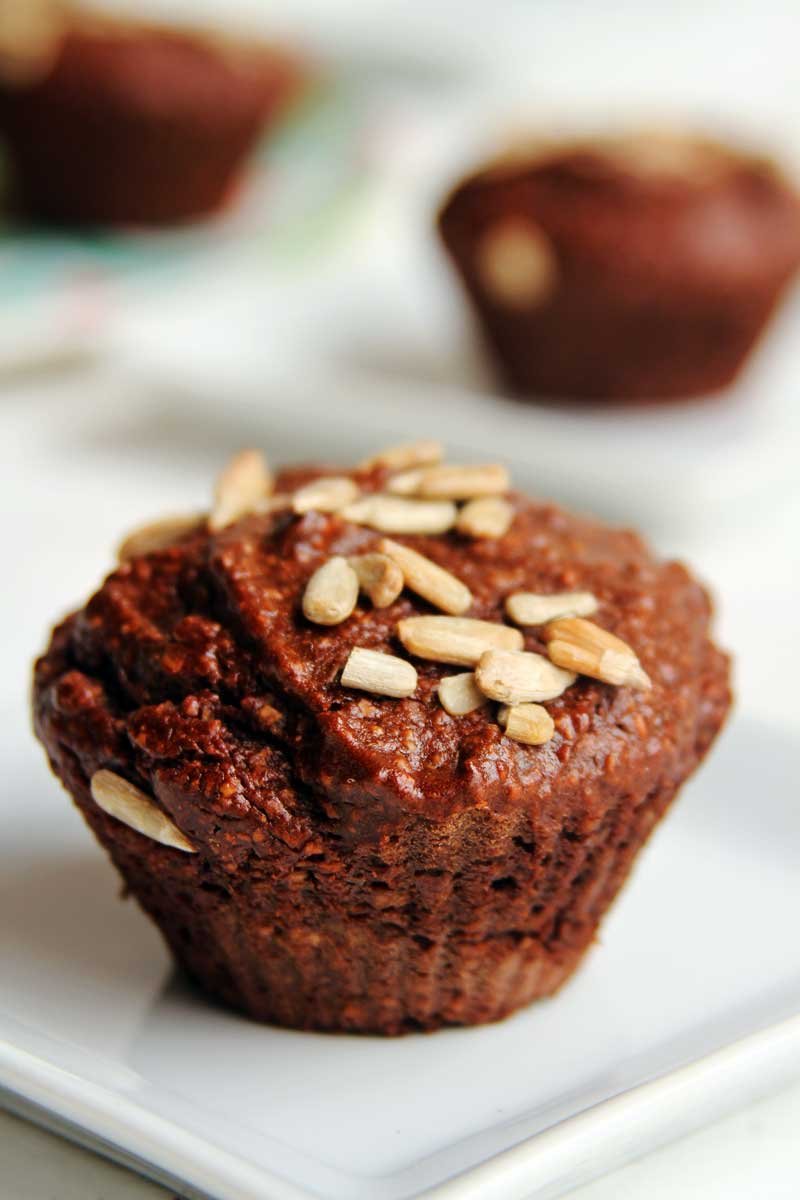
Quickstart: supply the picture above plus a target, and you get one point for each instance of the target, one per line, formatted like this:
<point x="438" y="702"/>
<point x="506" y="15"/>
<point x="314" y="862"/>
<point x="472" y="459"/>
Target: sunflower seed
<point x="582" y="646"/>
<point x="379" y="577"/>
<point x="486" y="517"/>
<point x="128" y="804"/>
<point x="325" y="495"/>
<point x="381" y="674"/>
<point x="517" y="265"/>
<point x="428" y="579"/>
<point x="158" y="535"/>
<point x="331" y="592"/>
<point x="407" y="483"/>
<point x="243" y="482"/>
<point x="396" y="514"/>
<point x="459" y="694"/>
<point x="410" y="454"/>
<point x="458" y="640"/>
<point x="463" y="483"/>
<point x="517" y="677"/>
<point x="529" y="723"/>
<point x="530" y="608"/>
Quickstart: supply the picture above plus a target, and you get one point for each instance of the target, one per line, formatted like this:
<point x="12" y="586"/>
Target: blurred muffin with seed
<point x="637" y="267"/>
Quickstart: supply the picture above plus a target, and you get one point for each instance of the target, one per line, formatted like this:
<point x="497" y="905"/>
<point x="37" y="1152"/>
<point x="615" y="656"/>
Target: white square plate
<point x="686" y="1007"/>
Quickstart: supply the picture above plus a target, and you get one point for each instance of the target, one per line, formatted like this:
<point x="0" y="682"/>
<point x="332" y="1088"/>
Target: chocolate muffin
<point x="112" y="122"/>
<point x="376" y="751"/>
<point x="636" y="268"/>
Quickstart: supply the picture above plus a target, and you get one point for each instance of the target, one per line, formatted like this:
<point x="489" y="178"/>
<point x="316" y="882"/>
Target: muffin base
<point x="636" y="357"/>
<point x="464" y="947"/>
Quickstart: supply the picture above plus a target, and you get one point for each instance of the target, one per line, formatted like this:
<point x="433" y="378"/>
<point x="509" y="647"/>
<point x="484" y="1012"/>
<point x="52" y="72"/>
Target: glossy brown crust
<point x="372" y="864"/>
<point x="665" y="279"/>
<point x="139" y="125"/>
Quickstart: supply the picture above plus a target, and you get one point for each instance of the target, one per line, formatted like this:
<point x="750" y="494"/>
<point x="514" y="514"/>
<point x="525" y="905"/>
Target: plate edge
<point x="641" y="1119"/>
<point x="541" y="1167"/>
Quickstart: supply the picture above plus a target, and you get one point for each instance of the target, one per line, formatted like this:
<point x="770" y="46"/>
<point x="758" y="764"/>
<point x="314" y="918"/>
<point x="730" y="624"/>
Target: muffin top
<point x="648" y="157"/>
<point x="215" y="665"/>
<point x="683" y="211"/>
<point x="79" y="51"/>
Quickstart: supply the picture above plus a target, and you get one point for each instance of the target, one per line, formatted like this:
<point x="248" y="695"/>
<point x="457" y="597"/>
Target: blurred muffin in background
<point x="629" y="268"/>
<point x="110" y="122"/>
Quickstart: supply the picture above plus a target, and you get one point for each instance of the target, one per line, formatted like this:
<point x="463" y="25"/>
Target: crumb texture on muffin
<point x="370" y="859"/>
